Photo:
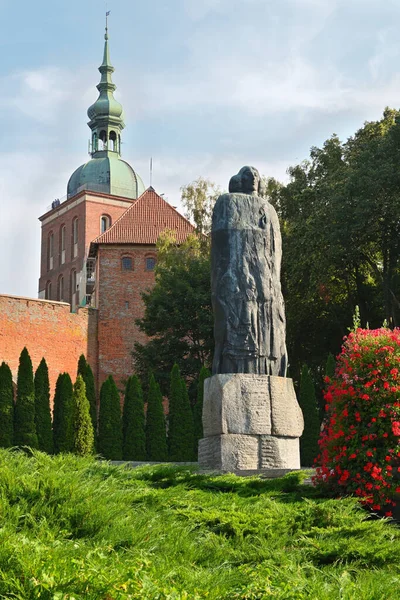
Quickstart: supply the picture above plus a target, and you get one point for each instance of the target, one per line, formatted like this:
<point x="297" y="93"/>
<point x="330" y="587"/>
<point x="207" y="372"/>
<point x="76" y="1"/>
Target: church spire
<point x="106" y="114"/>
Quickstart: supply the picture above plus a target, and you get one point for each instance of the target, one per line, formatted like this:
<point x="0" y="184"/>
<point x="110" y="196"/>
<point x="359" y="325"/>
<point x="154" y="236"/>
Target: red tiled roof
<point x="144" y="221"/>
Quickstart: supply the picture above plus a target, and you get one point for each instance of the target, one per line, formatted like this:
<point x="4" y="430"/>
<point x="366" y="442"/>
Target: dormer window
<point x="105" y="223"/>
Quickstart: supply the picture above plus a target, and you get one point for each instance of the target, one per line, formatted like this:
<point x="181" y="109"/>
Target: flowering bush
<point x="360" y="440"/>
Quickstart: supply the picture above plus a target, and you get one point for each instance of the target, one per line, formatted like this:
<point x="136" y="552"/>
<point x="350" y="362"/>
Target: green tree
<point x="180" y="420"/>
<point x="330" y="366"/>
<point x="82" y="428"/>
<point x="42" y="408"/>
<point x="109" y="442"/>
<point x="133" y="422"/>
<point x="24" y="413"/>
<point x="198" y="199"/>
<point x="178" y="314"/>
<point x="308" y="404"/>
<point x="62" y="414"/>
<point x="156" y="439"/>
<point x="6" y="407"/>
<point x="198" y="408"/>
<point x="91" y="394"/>
<point x="82" y="366"/>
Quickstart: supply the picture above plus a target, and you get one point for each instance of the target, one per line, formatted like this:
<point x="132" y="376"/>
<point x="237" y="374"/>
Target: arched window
<point x="103" y="140"/>
<point x="105" y="223"/>
<point x="62" y="244"/>
<point x="113" y="141"/>
<point x="73" y="289"/>
<point x="60" y="289"/>
<point x="94" y="142"/>
<point x="47" y="294"/>
<point x="75" y="238"/>
<point x="50" y="251"/>
<point x="150" y="263"/>
<point x="127" y="263"/>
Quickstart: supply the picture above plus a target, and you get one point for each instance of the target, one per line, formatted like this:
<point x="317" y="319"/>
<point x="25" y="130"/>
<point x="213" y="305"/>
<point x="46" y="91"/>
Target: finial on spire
<point x="106" y="33"/>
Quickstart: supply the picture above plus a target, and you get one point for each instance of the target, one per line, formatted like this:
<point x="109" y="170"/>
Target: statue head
<point x="247" y="181"/>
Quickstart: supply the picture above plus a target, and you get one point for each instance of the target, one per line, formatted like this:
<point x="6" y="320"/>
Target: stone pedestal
<point x="250" y="422"/>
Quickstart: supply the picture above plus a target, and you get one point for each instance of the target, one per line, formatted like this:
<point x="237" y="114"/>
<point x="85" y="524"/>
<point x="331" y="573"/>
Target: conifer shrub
<point x="180" y="420"/>
<point x="308" y="404"/>
<point x="81" y="366"/>
<point x="42" y="408"/>
<point x="24" y="413"/>
<point x="359" y="444"/>
<point x="198" y="409"/>
<point x="88" y="378"/>
<point x="133" y="422"/>
<point x="156" y="439"/>
<point x="82" y="428"/>
<point x="109" y="441"/>
<point x="6" y="407"/>
<point x="330" y="365"/>
<point x="62" y="414"/>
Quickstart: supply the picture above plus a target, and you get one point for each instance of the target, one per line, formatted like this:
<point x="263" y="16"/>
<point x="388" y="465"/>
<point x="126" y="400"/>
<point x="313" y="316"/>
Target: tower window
<point x="73" y="290"/>
<point x="113" y="141"/>
<point x="103" y="140"/>
<point x="127" y="264"/>
<point x="62" y="244"/>
<point x="50" y="252"/>
<point x="150" y="263"/>
<point x="60" y="289"/>
<point x="105" y="223"/>
<point x="75" y="238"/>
<point x="47" y="294"/>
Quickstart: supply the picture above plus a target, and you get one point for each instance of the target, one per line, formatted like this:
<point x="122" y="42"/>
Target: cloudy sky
<point x="207" y="86"/>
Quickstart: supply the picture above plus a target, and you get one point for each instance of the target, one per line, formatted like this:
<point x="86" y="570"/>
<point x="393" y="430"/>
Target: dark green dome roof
<point x="107" y="175"/>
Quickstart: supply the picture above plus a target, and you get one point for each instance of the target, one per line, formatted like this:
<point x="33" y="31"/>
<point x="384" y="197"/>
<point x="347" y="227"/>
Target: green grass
<point x="75" y="528"/>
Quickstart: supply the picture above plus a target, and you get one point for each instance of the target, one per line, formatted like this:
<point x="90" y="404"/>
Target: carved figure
<point x="246" y="252"/>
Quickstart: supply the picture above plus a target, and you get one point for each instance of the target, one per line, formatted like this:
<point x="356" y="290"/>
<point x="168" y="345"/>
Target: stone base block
<point x="250" y="422"/>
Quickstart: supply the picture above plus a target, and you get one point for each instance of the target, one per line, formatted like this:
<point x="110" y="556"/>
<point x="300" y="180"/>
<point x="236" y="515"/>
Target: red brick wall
<point x="47" y="329"/>
<point x="88" y="209"/>
<point x="119" y="303"/>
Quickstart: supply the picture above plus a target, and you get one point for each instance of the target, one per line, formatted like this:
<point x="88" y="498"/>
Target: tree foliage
<point x="133" y="422"/>
<point x="180" y="420"/>
<point x="24" y="414"/>
<point x="330" y="365"/>
<point x="109" y="442"/>
<point x="42" y="408"/>
<point x="198" y="198"/>
<point x="62" y="414"/>
<point x="308" y="404"/>
<point x="81" y="366"/>
<point x="6" y="407"/>
<point x="178" y="314"/>
<point x="156" y="438"/>
<point x="82" y="428"/>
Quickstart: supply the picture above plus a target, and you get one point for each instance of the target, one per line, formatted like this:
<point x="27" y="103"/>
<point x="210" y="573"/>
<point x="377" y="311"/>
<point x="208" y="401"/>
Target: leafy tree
<point x="109" y="442"/>
<point x="62" y="414"/>
<point x="82" y="366"/>
<point x="180" y="420"/>
<point x="6" y="406"/>
<point x="24" y="414"/>
<point x="133" y="422"/>
<point x="198" y="199"/>
<point x="156" y="439"/>
<point x="42" y="408"/>
<point x="178" y="315"/>
<point x="308" y="404"/>
<point x="82" y="428"/>
<point x="198" y="408"/>
<point x="330" y="366"/>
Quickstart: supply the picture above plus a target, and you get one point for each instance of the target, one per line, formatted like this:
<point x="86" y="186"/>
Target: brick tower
<point x="98" y="193"/>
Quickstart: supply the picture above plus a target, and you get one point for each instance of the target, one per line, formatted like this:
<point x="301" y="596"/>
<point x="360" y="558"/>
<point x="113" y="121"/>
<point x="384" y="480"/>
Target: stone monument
<point x="251" y="418"/>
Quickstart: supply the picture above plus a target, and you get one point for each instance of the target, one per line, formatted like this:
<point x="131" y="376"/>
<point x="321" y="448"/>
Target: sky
<point x="207" y="86"/>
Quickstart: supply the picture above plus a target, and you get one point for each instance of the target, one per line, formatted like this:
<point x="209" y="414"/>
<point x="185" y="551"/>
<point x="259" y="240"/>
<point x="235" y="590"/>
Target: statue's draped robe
<point x="249" y="314"/>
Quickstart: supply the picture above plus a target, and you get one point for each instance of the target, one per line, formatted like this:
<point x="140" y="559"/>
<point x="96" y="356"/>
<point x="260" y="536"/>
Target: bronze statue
<point x="246" y="252"/>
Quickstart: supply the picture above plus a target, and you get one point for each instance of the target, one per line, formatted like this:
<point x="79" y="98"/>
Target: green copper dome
<point x="107" y="175"/>
<point x="106" y="172"/>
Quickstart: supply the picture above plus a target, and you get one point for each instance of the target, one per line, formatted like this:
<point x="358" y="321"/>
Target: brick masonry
<point x="48" y="329"/>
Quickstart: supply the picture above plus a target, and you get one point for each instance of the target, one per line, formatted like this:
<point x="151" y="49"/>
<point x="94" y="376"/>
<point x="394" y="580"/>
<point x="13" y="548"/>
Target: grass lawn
<point x="77" y="528"/>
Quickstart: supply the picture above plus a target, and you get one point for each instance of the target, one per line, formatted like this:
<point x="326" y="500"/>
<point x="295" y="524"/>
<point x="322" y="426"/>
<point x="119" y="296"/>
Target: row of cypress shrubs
<point x="130" y="435"/>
